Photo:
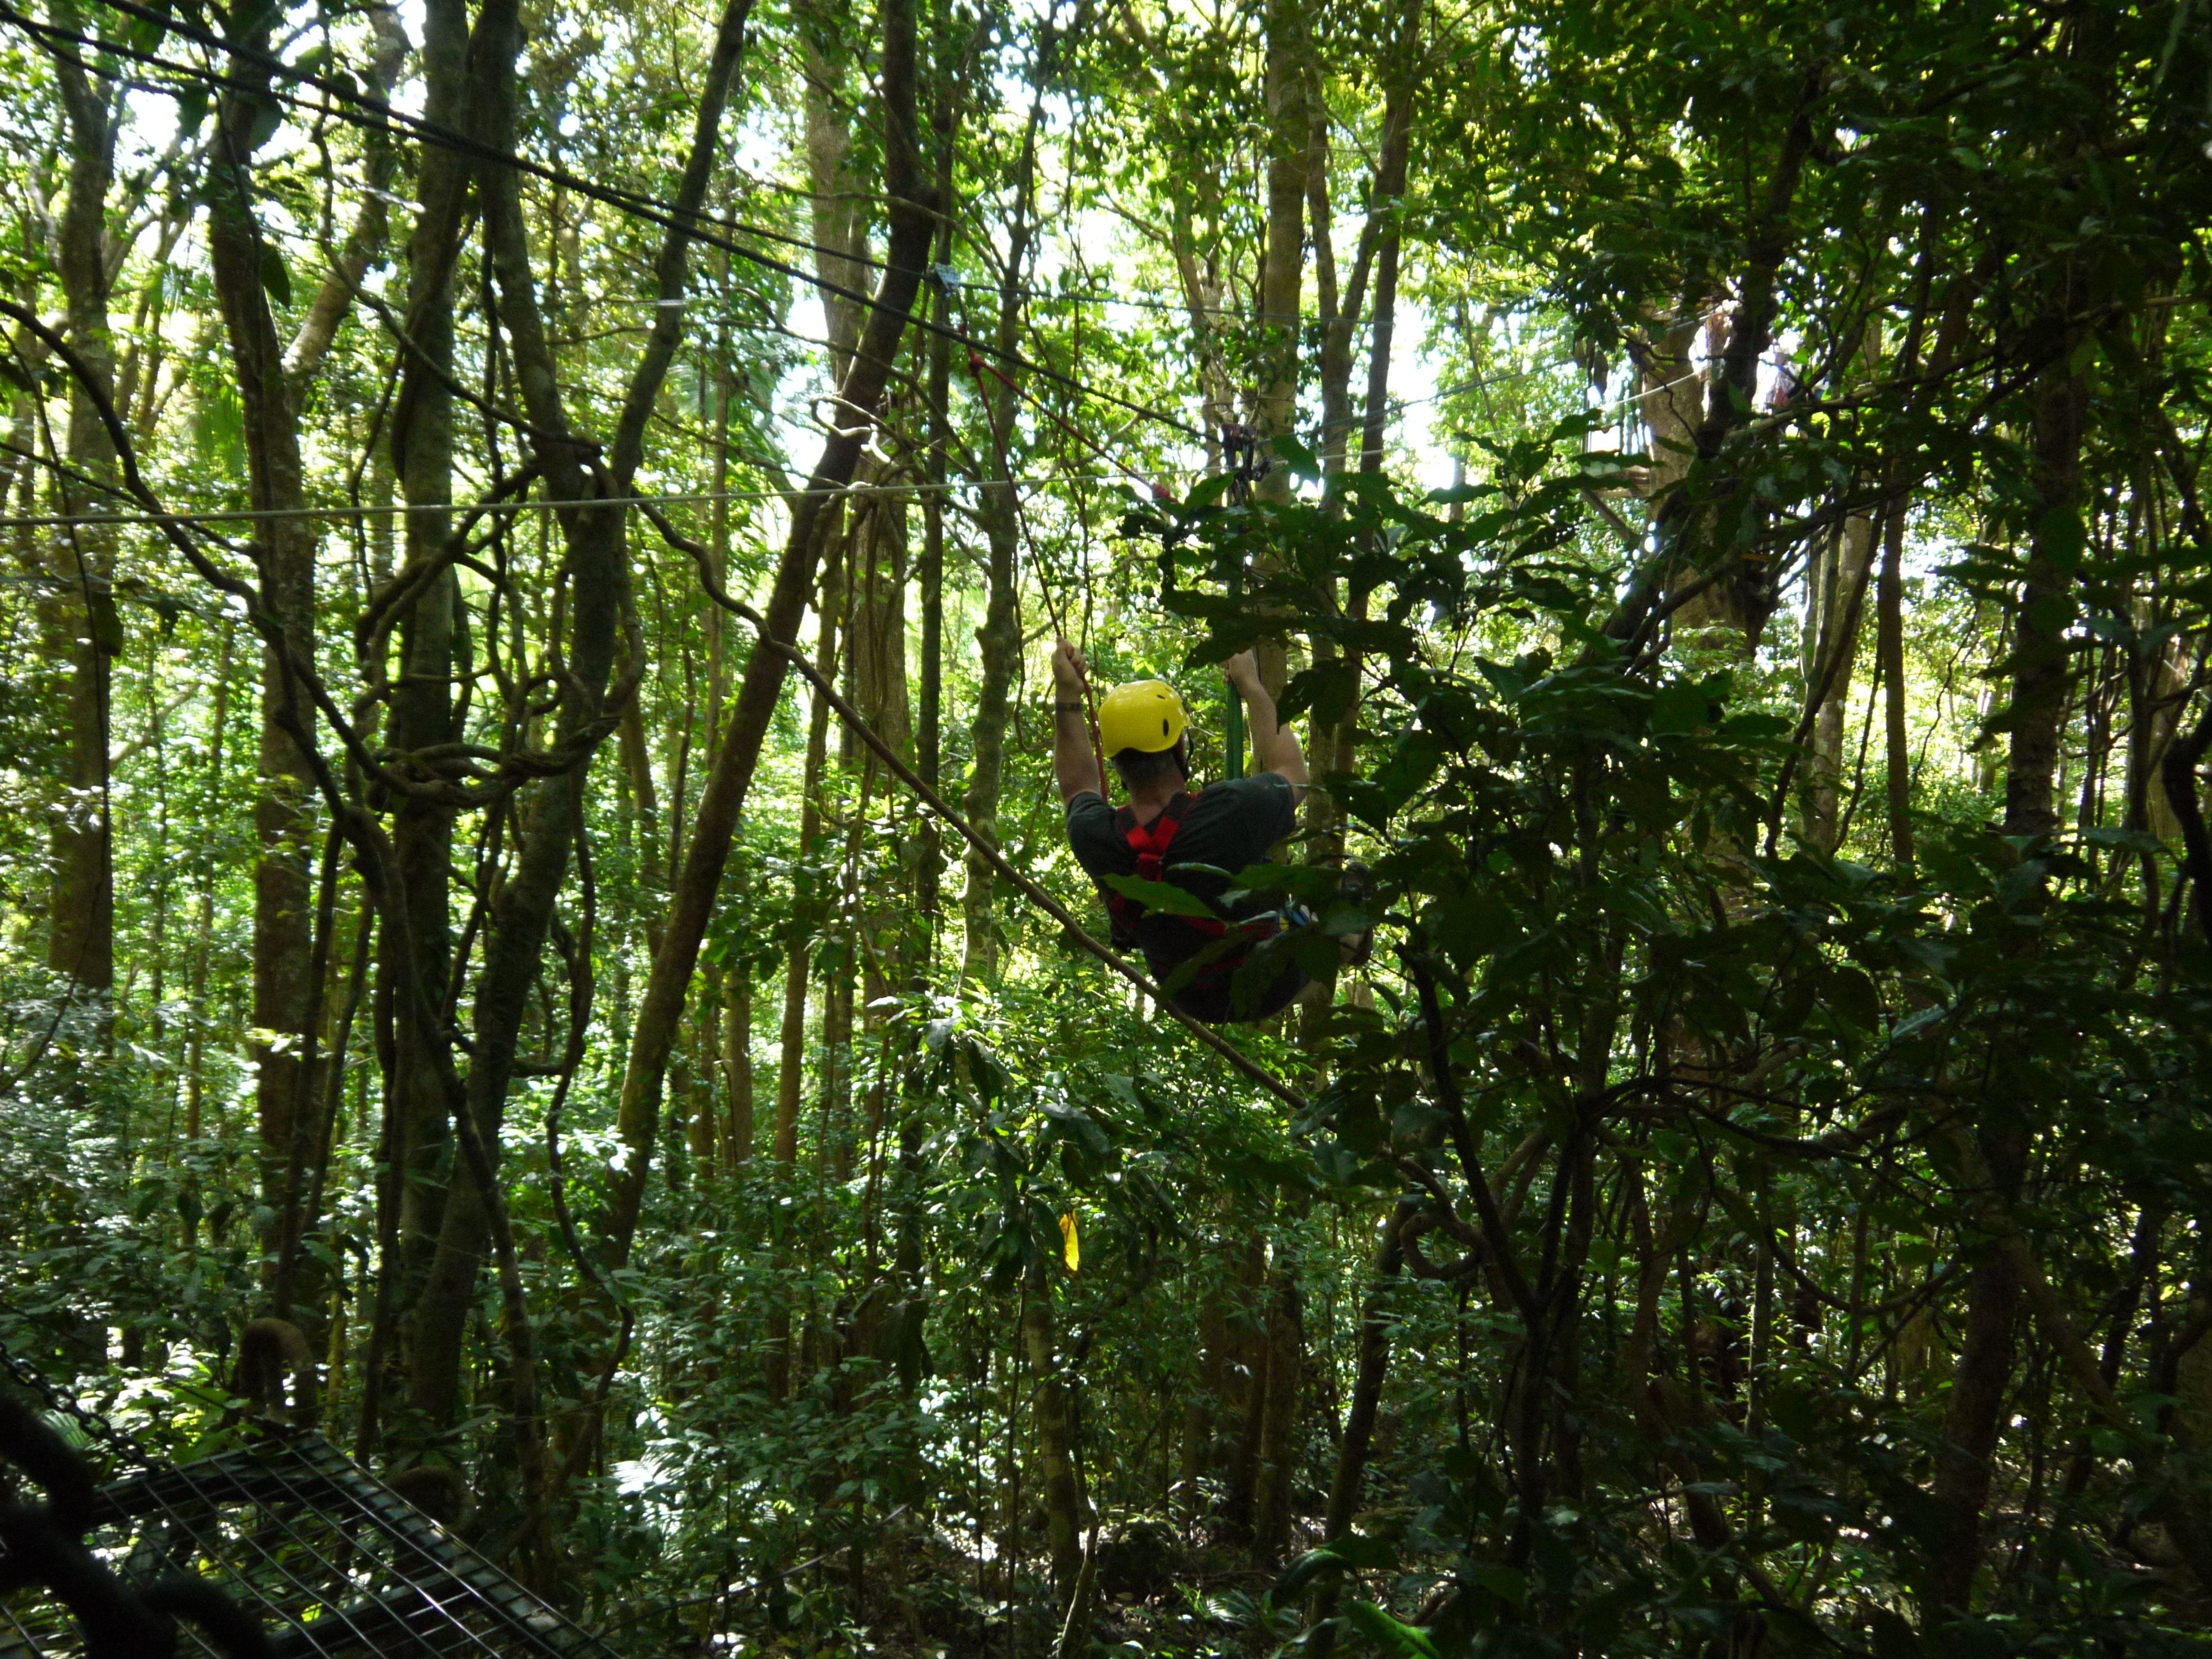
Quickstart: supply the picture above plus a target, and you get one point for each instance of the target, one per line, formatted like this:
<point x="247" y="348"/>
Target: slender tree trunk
<point x="1835" y="607"/>
<point x="1278" y="1461"/>
<point x="1834" y="655"/>
<point x="1288" y="73"/>
<point x="791" y="1070"/>
<point x="520" y="915"/>
<point x="364" y="243"/>
<point x="81" y="932"/>
<point x="1685" y="523"/>
<point x="2041" y="674"/>
<point x="204" y="922"/>
<point x="1889" y="628"/>
<point x="1336" y="742"/>
<point x="839" y="969"/>
<point x="1289" y="94"/>
<point x="738" y="1061"/>
<point x="930" y="571"/>
<point x="1000" y="637"/>
<point x="1974" y="1413"/>
<point x="1000" y="641"/>
<point x="422" y="450"/>
<point x="1371" y="1364"/>
<point x="1249" y="1354"/>
<point x="283" y="815"/>
<point x="836" y="196"/>
<point x="736" y="1030"/>
<point x="841" y="246"/>
<point x="882" y="694"/>
<point x="1065" y="1513"/>
<point x="1209" y="1388"/>
<point x="735" y="756"/>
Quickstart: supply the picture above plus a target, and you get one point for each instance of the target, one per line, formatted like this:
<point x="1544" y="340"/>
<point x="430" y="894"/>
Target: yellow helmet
<point x="1144" y="714"/>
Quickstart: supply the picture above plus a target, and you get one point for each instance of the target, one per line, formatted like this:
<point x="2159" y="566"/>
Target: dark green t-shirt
<point x="1230" y="825"/>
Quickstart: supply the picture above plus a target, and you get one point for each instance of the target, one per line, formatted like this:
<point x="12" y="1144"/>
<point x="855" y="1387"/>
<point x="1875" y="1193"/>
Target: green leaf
<point x="2133" y="840"/>
<point x="1504" y="1583"/>
<point x="276" y="276"/>
<point x="1679" y="709"/>
<point x="267" y="116"/>
<point x="107" y="625"/>
<point x="1304" y="1571"/>
<point x="1162" y="897"/>
<point x="1388" y="1634"/>
<point x="1296" y="456"/>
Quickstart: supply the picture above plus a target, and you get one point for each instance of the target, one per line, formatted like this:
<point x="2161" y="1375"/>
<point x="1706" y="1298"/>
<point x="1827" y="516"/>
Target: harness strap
<point x="1150" y="842"/>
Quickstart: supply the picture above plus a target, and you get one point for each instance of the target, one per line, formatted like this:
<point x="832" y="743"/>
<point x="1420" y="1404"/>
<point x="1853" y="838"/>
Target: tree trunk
<point x="522" y="914"/>
<point x="284" y="817"/>
<point x="1000" y="641"/>
<point x="204" y="922"/>
<point x="929" y="573"/>
<point x="364" y="245"/>
<point x="1000" y="637"/>
<point x="1289" y="94"/>
<point x="738" y="1060"/>
<point x="1690" y="514"/>
<point x="790" y="1070"/>
<point x="1669" y="393"/>
<point x="1336" y="742"/>
<point x="837" y="197"/>
<point x="1203" y="1409"/>
<point x="1889" y="629"/>
<point x="1065" y="1513"/>
<point x="1249" y="1355"/>
<point x="1974" y="1414"/>
<point x="421" y="449"/>
<point x="1837" y="603"/>
<point x="1370" y="1366"/>
<point x="80" y="935"/>
<point x="861" y="392"/>
<point x="883" y="696"/>
<point x="1278" y="1463"/>
<point x="2047" y="603"/>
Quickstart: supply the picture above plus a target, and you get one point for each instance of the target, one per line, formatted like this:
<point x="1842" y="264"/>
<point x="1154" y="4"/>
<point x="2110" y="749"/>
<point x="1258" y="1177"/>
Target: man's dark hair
<point x="1139" y="767"/>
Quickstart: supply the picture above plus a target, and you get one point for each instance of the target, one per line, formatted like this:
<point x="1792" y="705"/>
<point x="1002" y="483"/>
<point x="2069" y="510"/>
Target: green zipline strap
<point x="1239" y="453"/>
<point x="1232" y="721"/>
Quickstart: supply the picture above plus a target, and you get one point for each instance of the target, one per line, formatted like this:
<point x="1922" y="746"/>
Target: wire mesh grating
<point x="334" y="1562"/>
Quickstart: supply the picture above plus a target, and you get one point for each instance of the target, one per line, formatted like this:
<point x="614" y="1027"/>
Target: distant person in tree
<point x="1194" y="840"/>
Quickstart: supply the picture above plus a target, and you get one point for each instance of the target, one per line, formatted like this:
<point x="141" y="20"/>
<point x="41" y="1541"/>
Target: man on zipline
<point x="1165" y="829"/>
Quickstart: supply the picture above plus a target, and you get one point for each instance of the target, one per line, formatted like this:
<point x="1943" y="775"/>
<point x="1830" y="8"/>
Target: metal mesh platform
<point x="333" y="1562"/>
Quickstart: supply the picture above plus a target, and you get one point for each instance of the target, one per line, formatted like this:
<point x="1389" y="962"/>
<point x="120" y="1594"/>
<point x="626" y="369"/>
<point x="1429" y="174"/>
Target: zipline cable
<point x="374" y="114"/>
<point x="858" y="725"/>
<point x="400" y="509"/>
<point x="382" y="117"/>
<point x="1036" y="895"/>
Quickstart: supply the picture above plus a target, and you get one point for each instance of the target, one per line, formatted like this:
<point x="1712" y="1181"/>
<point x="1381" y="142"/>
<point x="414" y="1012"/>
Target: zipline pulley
<point x="1242" y="455"/>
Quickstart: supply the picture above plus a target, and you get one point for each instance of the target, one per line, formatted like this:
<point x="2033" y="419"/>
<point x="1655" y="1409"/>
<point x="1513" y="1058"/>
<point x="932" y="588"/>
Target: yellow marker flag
<point x="1070" y="1250"/>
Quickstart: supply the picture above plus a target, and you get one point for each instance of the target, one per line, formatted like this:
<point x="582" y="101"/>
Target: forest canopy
<point x="538" y="939"/>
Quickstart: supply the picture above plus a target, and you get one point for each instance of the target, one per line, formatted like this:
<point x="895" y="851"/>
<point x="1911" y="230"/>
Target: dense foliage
<point x="1753" y="1198"/>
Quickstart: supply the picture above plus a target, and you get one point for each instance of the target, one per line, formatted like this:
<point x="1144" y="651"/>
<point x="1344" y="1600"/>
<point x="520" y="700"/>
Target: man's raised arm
<point x="1075" y="766"/>
<point x="1274" y="748"/>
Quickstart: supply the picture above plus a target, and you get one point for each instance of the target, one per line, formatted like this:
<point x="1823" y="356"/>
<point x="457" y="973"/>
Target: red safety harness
<point x="1149" y="842"/>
